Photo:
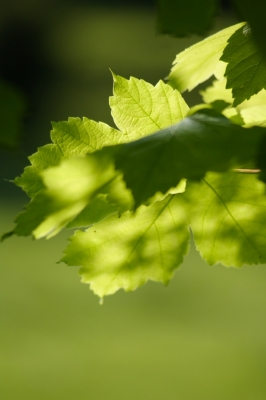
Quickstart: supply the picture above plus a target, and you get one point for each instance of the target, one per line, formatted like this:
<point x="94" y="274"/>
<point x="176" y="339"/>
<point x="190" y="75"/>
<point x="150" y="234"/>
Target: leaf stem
<point x="247" y="171"/>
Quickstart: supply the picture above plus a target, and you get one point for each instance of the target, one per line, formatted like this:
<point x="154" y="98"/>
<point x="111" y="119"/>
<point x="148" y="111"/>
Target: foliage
<point x="254" y="12"/>
<point x="136" y="192"/>
<point x="199" y="62"/>
<point x="246" y="69"/>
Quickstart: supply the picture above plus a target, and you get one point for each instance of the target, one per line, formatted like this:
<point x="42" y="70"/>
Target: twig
<point x="247" y="171"/>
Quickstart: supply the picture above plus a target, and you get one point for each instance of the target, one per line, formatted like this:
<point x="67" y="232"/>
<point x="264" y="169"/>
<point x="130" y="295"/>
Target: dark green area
<point x="246" y="69"/>
<point x="205" y="141"/>
<point x="183" y="18"/>
<point x="12" y="110"/>
<point x="254" y="12"/>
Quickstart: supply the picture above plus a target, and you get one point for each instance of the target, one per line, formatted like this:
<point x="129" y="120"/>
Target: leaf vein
<point x="231" y="215"/>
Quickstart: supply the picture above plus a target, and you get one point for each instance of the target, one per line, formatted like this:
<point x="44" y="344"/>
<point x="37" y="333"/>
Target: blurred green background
<point x="202" y="337"/>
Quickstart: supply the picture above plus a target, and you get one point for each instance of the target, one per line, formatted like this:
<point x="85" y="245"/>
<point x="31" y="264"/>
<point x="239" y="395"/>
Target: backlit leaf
<point x="126" y="252"/>
<point x="139" y="108"/>
<point x="72" y="138"/>
<point x="68" y="189"/>
<point x="217" y="91"/>
<point x="228" y="218"/>
<point x="95" y="211"/>
<point x="197" y="63"/>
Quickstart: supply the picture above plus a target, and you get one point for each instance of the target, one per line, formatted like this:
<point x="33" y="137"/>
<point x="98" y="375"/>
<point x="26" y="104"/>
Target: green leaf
<point x="95" y="211"/>
<point x="252" y="111"/>
<point x="77" y="137"/>
<point x="205" y="141"/>
<point x="228" y="218"/>
<point x="254" y="116"/>
<point x="71" y="138"/>
<point x="256" y="100"/>
<point x="217" y="91"/>
<point x="49" y="213"/>
<point x="220" y="99"/>
<point x="139" y="108"/>
<point x="117" y="193"/>
<point x="68" y="189"/>
<point x="30" y="181"/>
<point x="125" y="253"/>
<point x="12" y="110"/>
<point x="184" y="18"/>
<point x="197" y="63"/>
<point x="246" y="69"/>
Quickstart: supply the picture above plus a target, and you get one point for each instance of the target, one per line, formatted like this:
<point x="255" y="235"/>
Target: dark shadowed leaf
<point x="246" y="69"/>
<point x="254" y="12"/>
<point x="206" y="141"/>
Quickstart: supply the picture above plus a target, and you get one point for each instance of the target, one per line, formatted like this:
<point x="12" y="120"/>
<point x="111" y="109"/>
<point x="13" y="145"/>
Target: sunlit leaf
<point x="217" y="91"/>
<point x="197" y="63"/>
<point x="252" y="111"/>
<point x="138" y="190"/>
<point x="139" y="108"/>
<point x="95" y="211"/>
<point x="254" y="116"/>
<point x="124" y="253"/>
<point x="154" y="108"/>
<point x="228" y="218"/>
<point x="68" y="189"/>
<point x="72" y="138"/>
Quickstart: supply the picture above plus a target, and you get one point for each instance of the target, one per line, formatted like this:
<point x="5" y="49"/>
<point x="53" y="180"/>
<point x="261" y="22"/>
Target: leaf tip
<point x="6" y="235"/>
<point x="115" y="76"/>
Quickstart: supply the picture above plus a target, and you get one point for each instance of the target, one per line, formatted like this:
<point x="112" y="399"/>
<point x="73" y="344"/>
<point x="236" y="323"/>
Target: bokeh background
<point x="202" y="337"/>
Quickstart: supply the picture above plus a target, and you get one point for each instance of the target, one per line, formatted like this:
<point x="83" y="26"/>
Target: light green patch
<point x="139" y="108"/>
<point x="228" y="219"/>
<point x="254" y="115"/>
<point x="72" y="138"/>
<point x="69" y="188"/>
<point x="200" y="61"/>
<point x="126" y="252"/>
<point x="217" y="91"/>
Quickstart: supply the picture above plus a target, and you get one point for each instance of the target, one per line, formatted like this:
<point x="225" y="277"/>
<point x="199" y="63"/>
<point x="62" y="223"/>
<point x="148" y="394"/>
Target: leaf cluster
<point x="136" y="193"/>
